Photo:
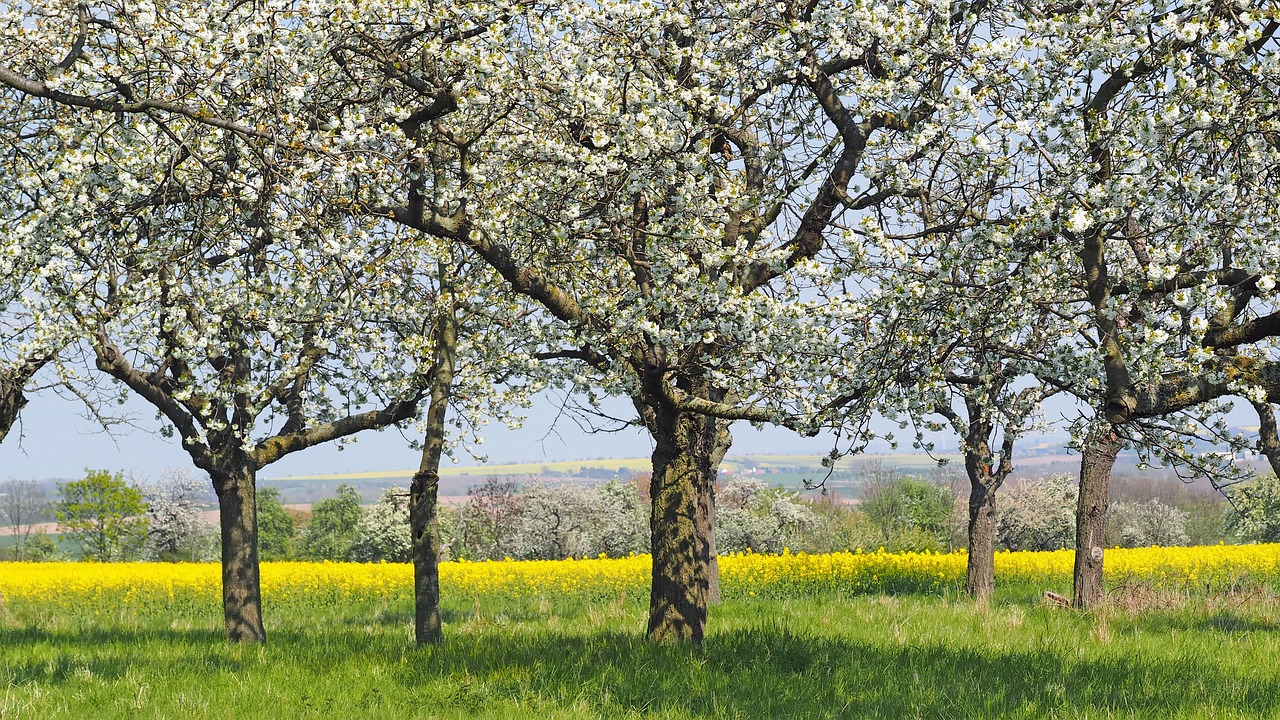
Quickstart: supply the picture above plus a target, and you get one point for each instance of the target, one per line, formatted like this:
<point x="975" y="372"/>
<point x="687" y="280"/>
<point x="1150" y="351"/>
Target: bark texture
<point x="720" y="440"/>
<point x="687" y="450"/>
<point x="424" y="521"/>
<point x="1268" y="435"/>
<point x="241" y="581"/>
<point x="11" y="403"/>
<point x="1098" y="457"/>
<point x="980" y="574"/>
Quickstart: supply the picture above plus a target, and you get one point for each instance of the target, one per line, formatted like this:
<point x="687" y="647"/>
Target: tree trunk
<point x="12" y="400"/>
<point x="1097" y="459"/>
<point x="1268" y="435"/>
<point x="683" y="539"/>
<point x="424" y="522"/>
<point x="980" y="575"/>
<point x="241" y="580"/>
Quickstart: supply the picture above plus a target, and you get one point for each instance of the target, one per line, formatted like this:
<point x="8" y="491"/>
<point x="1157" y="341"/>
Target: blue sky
<point x="54" y="441"/>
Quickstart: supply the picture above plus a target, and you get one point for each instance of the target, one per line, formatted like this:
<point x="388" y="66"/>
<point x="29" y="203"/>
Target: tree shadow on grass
<point x="35" y="654"/>
<point x="1226" y="620"/>
<point x="775" y="673"/>
<point x="767" y="671"/>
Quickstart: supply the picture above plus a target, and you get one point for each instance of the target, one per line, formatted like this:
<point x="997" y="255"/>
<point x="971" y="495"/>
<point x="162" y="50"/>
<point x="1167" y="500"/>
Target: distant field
<point x="482" y="471"/>
<point x="736" y="463"/>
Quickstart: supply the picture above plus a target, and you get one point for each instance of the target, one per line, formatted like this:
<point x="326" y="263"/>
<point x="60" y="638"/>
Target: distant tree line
<point x="107" y="517"/>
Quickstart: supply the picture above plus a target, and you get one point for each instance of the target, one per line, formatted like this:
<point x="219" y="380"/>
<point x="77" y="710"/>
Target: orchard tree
<point x="1255" y="510"/>
<point x="996" y="328"/>
<point x="254" y="328"/>
<point x="678" y="186"/>
<point x="1153" y="168"/>
<point x="676" y="198"/>
<point x="250" y="195"/>
<point x="1039" y="514"/>
<point x="382" y="533"/>
<point x="331" y="531"/>
<point x="1124" y="171"/>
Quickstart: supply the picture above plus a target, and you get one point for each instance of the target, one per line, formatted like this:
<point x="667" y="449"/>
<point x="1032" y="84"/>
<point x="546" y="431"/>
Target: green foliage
<point x="910" y="513"/>
<point x="276" y="528"/>
<point x="331" y="531"/>
<point x="1206" y="520"/>
<point x="837" y="527"/>
<point x="105" y="515"/>
<point x="1255" y="511"/>
<point x="42" y="547"/>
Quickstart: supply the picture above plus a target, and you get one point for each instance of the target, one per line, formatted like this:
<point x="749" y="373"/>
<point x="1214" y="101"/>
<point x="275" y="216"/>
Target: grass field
<point x="1158" y="650"/>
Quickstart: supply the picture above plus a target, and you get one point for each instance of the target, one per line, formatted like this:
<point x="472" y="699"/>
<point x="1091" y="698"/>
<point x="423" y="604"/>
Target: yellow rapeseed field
<point x="142" y="585"/>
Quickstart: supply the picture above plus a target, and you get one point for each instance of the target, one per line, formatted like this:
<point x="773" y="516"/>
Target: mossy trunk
<point x="980" y="574"/>
<point x="687" y="448"/>
<point x="234" y="483"/>
<point x="424" y="521"/>
<point x="1097" y="459"/>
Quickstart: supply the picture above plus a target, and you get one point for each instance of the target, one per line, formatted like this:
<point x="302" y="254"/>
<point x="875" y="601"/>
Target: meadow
<point x="1187" y="632"/>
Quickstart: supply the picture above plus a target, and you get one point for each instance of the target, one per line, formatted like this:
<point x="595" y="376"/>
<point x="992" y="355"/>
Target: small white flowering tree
<point x="255" y="330"/>
<point x="174" y="527"/>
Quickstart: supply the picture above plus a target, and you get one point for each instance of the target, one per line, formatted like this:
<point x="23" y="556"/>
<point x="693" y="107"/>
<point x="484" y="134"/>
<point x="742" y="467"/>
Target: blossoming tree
<point x="1144" y="172"/>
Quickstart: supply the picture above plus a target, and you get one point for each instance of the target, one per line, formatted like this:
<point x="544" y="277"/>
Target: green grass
<point x="875" y="657"/>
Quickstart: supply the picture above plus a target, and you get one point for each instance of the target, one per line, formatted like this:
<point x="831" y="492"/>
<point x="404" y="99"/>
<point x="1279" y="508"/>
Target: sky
<point x="54" y="441"/>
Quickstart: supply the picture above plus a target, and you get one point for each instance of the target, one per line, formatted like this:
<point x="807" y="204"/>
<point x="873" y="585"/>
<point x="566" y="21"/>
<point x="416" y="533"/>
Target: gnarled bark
<point x="687" y="450"/>
<point x="1097" y="459"/>
<point x="1268" y="436"/>
<point x="720" y="440"/>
